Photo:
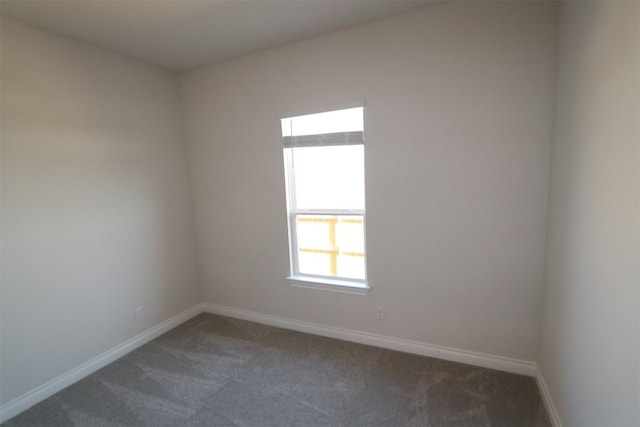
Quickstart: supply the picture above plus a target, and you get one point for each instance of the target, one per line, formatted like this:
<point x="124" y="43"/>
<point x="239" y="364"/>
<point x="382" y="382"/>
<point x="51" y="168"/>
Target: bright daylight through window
<point x="324" y="165"/>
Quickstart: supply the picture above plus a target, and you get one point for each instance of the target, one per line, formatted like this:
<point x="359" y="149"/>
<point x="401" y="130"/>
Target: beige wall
<point x="458" y="122"/>
<point x="95" y="206"/>
<point x="96" y="215"/>
<point x="590" y="352"/>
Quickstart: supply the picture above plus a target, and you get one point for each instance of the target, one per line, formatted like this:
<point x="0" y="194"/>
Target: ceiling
<point x="180" y="35"/>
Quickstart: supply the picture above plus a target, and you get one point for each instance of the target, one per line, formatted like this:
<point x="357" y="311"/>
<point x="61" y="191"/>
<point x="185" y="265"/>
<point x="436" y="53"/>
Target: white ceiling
<point x="183" y="34"/>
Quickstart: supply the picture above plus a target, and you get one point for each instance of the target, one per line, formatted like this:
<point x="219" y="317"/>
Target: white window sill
<point x="333" y="285"/>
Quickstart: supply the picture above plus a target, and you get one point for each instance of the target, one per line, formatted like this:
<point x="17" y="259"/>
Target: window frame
<point x="315" y="281"/>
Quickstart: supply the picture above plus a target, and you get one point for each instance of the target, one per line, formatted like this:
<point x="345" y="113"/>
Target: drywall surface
<point x="457" y="132"/>
<point x="590" y="347"/>
<point x="95" y="207"/>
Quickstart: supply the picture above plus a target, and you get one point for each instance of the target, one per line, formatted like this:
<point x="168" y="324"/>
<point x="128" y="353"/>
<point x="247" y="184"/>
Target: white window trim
<point x="332" y="285"/>
<point x="308" y="281"/>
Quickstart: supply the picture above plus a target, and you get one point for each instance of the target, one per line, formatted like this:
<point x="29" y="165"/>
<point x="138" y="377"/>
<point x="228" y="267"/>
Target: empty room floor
<point x="218" y="371"/>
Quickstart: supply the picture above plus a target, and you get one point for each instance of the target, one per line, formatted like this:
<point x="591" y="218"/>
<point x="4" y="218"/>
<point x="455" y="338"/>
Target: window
<point x="324" y="168"/>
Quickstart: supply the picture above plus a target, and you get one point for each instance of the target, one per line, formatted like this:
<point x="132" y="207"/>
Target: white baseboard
<point x="517" y="366"/>
<point x="546" y="398"/>
<point x="21" y="403"/>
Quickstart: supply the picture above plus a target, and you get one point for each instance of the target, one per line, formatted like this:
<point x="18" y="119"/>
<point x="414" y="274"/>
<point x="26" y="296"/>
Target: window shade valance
<point x="324" y="139"/>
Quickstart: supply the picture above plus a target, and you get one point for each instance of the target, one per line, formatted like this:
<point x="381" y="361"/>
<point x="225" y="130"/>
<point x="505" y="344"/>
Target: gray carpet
<point x="217" y="371"/>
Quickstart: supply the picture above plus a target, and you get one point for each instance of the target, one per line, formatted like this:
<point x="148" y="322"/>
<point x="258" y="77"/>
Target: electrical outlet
<point x="380" y="312"/>
<point x="139" y="312"/>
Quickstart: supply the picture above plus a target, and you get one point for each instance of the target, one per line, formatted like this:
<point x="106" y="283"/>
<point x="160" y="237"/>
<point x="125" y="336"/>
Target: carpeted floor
<point x="217" y="371"/>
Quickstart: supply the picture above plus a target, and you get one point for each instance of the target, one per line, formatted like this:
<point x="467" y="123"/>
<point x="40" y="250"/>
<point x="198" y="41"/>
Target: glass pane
<point x="331" y="245"/>
<point x="347" y="120"/>
<point x="314" y="263"/>
<point x="329" y="177"/>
